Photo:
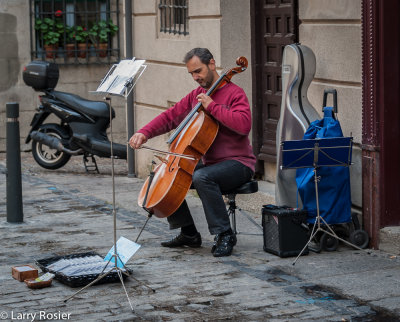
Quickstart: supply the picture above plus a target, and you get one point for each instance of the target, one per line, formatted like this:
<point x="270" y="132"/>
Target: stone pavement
<point x="68" y="211"/>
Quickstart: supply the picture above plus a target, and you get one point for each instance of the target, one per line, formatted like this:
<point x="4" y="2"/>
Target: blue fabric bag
<point x="334" y="185"/>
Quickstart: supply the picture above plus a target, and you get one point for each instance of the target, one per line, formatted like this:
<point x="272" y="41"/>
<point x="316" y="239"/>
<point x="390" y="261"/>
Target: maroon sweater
<point x="230" y="107"/>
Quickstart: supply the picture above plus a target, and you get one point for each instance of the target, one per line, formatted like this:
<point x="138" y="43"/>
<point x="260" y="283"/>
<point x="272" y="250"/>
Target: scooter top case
<point x="297" y="113"/>
<point x="41" y="75"/>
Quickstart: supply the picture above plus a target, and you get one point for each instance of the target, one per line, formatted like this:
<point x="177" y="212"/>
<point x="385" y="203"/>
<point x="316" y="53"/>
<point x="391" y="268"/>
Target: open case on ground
<point x="80" y="269"/>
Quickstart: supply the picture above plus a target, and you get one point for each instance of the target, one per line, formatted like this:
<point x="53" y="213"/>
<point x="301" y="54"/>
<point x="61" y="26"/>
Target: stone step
<point x="389" y="240"/>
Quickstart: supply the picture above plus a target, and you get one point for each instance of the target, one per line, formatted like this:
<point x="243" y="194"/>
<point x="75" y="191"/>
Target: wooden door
<point x="275" y="26"/>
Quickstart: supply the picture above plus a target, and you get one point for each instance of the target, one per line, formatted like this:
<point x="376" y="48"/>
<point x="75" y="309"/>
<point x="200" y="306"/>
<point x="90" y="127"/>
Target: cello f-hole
<point x="170" y="168"/>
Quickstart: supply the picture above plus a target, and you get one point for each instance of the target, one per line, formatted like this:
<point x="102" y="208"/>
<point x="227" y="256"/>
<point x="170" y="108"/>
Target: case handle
<point x="334" y="93"/>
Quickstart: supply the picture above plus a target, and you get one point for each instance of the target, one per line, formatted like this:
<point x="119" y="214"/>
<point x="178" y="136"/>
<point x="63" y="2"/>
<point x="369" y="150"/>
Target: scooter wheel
<point x="45" y="156"/>
<point x="328" y="243"/>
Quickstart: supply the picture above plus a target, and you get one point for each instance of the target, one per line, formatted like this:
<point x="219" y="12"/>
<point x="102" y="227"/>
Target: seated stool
<point x="247" y="188"/>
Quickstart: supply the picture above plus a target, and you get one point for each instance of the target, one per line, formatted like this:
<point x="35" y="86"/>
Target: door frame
<point x="381" y="115"/>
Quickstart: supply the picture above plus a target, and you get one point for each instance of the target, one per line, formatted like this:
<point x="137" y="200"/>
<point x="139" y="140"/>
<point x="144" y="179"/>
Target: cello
<point x="166" y="187"/>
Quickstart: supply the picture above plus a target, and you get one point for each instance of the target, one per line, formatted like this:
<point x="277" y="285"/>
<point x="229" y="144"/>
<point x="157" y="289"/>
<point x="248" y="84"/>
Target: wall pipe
<point x="130" y="99"/>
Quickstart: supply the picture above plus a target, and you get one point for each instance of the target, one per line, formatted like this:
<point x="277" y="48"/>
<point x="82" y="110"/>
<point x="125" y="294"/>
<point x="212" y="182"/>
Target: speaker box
<point x="285" y="230"/>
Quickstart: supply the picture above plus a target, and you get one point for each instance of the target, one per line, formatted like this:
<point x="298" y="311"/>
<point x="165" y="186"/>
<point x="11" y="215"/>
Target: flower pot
<point x="70" y="50"/>
<point x="51" y="51"/>
<point x="101" y="49"/>
<point x="82" y="50"/>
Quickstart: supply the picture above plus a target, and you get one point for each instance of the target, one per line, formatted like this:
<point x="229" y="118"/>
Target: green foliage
<point x="102" y="31"/>
<point x="49" y="30"/>
<point x="69" y="34"/>
<point x="81" y="34"/>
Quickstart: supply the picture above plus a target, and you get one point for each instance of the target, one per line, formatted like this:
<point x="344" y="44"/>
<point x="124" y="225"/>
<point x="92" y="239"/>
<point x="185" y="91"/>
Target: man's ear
<point x="211" y="64"/>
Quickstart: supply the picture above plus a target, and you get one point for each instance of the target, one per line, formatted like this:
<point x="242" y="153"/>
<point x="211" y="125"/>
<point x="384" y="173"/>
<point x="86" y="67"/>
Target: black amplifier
<point x="285" y="230"/>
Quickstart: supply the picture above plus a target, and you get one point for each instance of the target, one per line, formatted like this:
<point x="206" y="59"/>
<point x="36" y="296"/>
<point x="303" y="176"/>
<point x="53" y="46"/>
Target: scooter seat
<point x="91" y="108"/>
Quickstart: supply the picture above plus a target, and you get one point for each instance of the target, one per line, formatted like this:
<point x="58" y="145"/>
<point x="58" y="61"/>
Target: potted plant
<point x="49" y="33"/>
<point x="100" y="34"/>
<point x="81" y="35"/>
<point x="69" y="41"/>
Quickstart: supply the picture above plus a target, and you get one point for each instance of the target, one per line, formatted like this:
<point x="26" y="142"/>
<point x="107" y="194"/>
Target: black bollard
<point x="14" y="186"/>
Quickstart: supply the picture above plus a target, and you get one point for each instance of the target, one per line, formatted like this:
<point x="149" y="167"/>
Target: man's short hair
<point x="203" y="53"/>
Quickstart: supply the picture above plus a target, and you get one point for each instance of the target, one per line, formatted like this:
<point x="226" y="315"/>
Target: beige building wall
<point x="332" y="29"/>
<point x="212" y="24"/>
<point x="14" y="31"/>
<point x="77" y="79"/>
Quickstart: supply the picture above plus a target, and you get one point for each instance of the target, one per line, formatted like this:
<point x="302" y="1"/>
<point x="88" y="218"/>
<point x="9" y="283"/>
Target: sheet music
<point x="122" y="74"/>
<point x="125" y="250"/>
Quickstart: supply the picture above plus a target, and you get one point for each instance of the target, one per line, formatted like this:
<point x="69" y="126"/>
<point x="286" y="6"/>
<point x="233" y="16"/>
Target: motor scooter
<point x="81" y="129"/>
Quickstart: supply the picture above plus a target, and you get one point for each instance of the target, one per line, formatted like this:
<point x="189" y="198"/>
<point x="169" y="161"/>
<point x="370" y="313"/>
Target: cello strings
<point x="178" y="154"/>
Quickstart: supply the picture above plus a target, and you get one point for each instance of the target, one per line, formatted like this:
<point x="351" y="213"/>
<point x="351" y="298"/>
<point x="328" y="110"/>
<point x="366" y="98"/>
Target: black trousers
<point x="209" y="182"/>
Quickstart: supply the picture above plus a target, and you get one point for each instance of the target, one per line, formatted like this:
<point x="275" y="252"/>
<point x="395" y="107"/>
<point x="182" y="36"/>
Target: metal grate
<point x="173" y="17"/>
<point x="75" y="31"/>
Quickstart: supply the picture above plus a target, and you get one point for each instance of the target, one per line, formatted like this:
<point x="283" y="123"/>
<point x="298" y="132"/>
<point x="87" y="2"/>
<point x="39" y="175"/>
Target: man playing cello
<point x="227" y="164"/>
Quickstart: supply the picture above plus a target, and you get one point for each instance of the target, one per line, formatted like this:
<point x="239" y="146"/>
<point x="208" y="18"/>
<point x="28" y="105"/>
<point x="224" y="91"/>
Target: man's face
<point x="201" y="73"/>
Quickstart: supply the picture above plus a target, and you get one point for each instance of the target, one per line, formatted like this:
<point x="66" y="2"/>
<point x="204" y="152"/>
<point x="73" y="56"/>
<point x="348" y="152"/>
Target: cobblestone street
<point x="68" y="211"/>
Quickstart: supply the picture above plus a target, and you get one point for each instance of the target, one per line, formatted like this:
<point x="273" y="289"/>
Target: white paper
<point x="125" y="249"/>
<point x="123" y="73"/>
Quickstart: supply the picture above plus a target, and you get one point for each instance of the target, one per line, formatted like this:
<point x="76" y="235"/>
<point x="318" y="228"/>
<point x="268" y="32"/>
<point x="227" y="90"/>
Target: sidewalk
<point x="68" y="211"/>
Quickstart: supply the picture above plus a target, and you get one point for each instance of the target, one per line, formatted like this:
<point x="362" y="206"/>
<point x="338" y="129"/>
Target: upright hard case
<point x="298" y="69"/>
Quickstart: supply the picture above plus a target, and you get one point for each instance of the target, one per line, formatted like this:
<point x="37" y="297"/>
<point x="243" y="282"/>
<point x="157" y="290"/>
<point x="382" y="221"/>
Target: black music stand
<point x="315" y="153"/>
<point x="119" y="81"/>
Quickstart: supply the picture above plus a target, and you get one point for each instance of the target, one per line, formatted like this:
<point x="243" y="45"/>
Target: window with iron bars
<point x="75" y="31"/>
<point x="173" y="17"/>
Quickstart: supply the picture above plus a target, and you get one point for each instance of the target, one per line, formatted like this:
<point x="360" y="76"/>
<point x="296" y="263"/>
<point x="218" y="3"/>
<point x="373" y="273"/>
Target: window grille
<point x="173" y="17"/>
<point x="75" y="31"/>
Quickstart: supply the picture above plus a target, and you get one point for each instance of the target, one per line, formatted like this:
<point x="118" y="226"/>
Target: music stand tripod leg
<point x="317" y="222"/>
<point x="312" y="235"/>
<point x="123" y="285"/>
<point x="333" y="234"/>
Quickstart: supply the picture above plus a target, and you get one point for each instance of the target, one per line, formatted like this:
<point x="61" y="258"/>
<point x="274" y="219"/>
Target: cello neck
<point x="225" y="78"/>
<point x="194" y="110"/>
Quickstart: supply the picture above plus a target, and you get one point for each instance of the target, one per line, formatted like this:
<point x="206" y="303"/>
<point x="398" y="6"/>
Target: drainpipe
<point x="130" y="98"/>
